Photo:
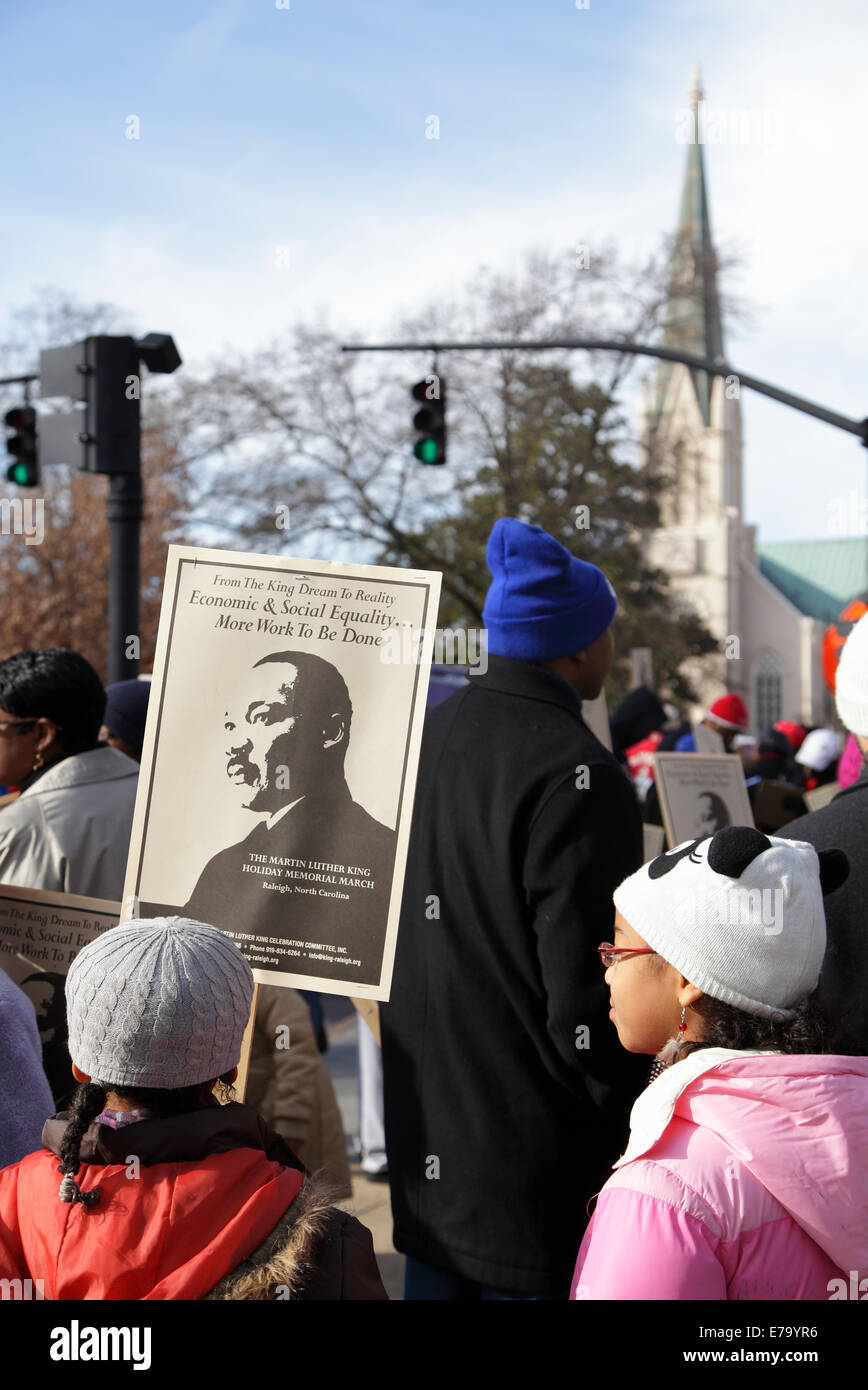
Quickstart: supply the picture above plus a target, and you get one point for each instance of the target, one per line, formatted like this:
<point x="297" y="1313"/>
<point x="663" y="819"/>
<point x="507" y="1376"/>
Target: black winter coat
<point x="503" y="1115"/>
<point x="843" y="992"/>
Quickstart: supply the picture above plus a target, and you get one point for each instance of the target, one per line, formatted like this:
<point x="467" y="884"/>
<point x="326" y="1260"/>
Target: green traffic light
<point x="426" y="450"/>
<point x="19" y="474"/>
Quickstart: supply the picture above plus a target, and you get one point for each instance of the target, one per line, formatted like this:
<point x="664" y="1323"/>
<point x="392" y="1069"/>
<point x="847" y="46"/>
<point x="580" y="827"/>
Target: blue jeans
<point x="423" y="1281"/>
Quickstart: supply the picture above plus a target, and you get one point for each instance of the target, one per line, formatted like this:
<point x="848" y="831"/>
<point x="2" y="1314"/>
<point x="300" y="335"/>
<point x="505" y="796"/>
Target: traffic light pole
<point x="713" y="366"/>
<point x="125" y="512"/>
<point x="102" y="434"/>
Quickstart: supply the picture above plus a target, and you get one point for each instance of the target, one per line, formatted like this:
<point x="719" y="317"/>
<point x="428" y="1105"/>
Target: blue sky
<point x="305" y="128"/>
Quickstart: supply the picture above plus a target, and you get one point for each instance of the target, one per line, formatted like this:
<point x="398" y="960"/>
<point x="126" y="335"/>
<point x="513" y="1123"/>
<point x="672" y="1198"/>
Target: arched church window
<point x="768" y="690"/>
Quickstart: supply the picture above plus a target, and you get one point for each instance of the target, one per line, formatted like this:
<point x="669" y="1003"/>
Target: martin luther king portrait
<point x="312" y="879"/>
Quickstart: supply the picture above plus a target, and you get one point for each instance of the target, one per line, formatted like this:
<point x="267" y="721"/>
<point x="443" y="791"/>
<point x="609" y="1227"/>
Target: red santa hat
<point x="730" y="711"/>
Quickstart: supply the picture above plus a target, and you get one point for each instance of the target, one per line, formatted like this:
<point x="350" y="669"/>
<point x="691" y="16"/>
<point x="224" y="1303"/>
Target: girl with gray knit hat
<point x="746" y="1172"/>
<point x="150" y="1188"/>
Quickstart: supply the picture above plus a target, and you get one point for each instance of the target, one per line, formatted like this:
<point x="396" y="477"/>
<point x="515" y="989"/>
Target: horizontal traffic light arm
<point x="714" y="367"/>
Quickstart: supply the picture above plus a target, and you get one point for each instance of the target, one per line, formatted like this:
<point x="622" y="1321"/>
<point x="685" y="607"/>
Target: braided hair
<point x="88" y="1101"/>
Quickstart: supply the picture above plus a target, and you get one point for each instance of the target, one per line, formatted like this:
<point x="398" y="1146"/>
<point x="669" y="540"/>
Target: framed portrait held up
<point x="700" y="793"/>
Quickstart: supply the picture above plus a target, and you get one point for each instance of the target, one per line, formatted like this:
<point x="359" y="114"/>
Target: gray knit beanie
<point x="159" y="1002"/>
<point x="740" y="915"/>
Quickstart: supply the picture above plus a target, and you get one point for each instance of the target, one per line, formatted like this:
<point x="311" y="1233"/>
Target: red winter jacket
<point x="166" y="1227"/>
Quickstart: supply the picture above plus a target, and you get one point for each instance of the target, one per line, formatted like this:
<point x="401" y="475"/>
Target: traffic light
<point x="100" y="432"/>
<point x="430" y="420"/>
<point x="24" y="472"/>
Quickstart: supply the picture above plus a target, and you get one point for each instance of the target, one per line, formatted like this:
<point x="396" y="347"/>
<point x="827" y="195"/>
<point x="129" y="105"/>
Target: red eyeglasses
<point x="610" y="955"/>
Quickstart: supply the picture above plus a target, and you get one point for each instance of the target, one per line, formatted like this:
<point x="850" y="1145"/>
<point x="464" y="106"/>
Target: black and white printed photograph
<point x="274" y="791"/>
<point x="700" y="793"/>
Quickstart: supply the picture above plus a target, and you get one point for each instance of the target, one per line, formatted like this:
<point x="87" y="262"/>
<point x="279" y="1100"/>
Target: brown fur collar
<point x="280" y="1266"/>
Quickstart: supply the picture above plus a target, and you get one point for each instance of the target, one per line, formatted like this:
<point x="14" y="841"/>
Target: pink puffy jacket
<point x="746" y="1177"/>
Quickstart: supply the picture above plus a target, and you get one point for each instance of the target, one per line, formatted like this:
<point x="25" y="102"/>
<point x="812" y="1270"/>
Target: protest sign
<point x="596" y="716"/>
<point x="40" y="936"/>
<point x="821" y="796"/>
<point x="42" y="933"/>
<point x="706" y="740"/>
<point x="652" y="842"/>
<point x="280" y="758"/>
<point x="700" y="793"/>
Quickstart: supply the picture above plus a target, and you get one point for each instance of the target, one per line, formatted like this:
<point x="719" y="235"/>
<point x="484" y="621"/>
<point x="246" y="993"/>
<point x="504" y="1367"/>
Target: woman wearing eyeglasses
<point x="746" y="1172"/>
<point x="68" y="831"/>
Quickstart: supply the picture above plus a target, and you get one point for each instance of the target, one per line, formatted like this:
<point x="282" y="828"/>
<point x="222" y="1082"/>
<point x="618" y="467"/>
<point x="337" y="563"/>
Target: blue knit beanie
<point x="543" y="602"/>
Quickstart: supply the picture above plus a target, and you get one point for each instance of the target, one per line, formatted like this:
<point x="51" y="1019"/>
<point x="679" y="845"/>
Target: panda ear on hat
<point x="734" y="847"/>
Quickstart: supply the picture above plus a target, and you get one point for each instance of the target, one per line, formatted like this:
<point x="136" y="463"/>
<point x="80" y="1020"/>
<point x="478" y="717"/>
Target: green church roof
<point x="819" y="577"/>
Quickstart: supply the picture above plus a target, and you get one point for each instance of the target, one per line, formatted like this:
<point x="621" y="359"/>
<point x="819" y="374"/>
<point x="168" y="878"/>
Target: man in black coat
<point x="507" y="1093"/>
<point x="843" y="824"/>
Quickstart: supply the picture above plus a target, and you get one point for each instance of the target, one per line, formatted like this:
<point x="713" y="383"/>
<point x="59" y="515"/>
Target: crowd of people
<point x="605" y="1077"/>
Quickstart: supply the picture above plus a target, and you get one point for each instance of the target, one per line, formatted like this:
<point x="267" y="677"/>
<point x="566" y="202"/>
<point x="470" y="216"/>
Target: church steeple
<point x="692" y="321"/>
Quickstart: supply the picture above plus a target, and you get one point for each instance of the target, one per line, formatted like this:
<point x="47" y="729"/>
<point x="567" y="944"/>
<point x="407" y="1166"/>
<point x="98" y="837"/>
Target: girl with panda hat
<point x="746" y="1171"/>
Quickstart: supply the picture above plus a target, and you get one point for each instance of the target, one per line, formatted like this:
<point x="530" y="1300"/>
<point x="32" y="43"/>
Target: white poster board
<point x="821" y="796"/>
<point x="596" y="716"/>
<point x="40" y="936"/>
<point x="700" y="794"/>
<point x="279" y="762"/>
<point x="653" y="841"/>
<point x="707" y="740"/>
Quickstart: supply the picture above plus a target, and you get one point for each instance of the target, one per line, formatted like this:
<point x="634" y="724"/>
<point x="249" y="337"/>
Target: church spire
<point x="692" y="320"/>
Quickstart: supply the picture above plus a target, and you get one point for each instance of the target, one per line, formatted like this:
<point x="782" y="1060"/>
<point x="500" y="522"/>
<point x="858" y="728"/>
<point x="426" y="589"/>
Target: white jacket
<point x="70" y="831"/>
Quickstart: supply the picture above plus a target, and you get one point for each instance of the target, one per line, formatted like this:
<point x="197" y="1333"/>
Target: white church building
<point x="767" y="605"/>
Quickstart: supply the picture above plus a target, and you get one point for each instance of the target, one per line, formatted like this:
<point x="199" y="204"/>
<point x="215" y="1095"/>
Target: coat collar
<point x="100" y="764"/>
<point x="654" y="1108"/>
<point x="177" y="1138"/>
<point x="527" y="681"/>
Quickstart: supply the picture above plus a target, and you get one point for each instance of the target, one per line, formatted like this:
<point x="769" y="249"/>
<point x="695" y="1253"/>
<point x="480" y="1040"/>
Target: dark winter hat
<point x="639" y="714"/>
<point x="774" y="742"/>
<point x="543" y="602"/>
<point x="126" y="711"/>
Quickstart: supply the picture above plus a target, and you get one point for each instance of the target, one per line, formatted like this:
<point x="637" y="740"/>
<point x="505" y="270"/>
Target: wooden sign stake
<point x="246" y="1049"/>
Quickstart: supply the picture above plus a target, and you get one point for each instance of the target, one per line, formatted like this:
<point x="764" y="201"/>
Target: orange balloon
<point x="836" y="635"/>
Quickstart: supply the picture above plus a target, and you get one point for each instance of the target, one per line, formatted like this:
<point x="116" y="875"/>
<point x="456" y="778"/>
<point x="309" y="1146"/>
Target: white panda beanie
<point x="739" y="914"/>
